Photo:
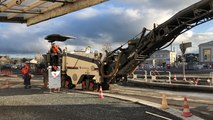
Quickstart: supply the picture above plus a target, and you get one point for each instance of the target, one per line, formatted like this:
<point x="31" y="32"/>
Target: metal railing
<point x="135" y="76"/>
<point x="156" y="74"/>
<point x="166" y="76"/>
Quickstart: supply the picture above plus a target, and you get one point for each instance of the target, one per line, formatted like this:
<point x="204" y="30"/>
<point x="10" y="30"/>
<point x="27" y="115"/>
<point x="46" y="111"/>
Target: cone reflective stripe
<point x="175" y="77"/>
<point x="101" y="95"/>
<point x="164" y="104"/>
<point x="186" y="111"/>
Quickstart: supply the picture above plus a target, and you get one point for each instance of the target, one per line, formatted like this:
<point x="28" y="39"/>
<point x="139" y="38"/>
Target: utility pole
<point x="183" y="47"/>
<point x="183" y="62"/>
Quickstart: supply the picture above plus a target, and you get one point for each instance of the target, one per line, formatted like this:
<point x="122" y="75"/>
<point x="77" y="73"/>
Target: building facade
<point x="162" y="57"/>
<point x="4" y="59"/>
<point x="206" y="53"/>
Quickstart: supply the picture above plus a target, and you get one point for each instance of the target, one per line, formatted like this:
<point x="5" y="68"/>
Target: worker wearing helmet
<point x="55" y="54"/>
<point x="26" y="76"/>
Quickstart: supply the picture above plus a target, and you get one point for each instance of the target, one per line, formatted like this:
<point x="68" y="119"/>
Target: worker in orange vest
<point x="26" y="76"/>
<point x="55" y="54"/>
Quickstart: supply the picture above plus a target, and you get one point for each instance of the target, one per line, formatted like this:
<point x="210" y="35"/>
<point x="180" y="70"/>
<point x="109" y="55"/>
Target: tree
<point x="24" y="60"/>
<point x="106" y="47"/>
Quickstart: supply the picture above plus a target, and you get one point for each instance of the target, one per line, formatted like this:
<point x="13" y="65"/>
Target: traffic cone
<point x="196" y="82"/>
<point x="164" y="104"/>
<point x="101" y="95"/>
<point x="186" y="111"/>
<point x="175" y="79"/>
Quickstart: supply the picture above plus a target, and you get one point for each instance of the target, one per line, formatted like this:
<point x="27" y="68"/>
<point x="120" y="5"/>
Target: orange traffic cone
<point x="164" y="104"/>
<point x="101" y="95"/>
<point x="175" y="79"/>
<point x="186" y="111"/>
<point x="196" y="82"/>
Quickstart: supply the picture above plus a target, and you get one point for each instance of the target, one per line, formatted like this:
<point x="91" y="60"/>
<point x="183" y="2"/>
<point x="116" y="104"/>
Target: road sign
<point x="183" y="46"/>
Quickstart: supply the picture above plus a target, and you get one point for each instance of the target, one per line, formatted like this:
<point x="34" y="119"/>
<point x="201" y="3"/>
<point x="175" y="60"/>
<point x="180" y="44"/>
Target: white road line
<point x="156" y="115"/>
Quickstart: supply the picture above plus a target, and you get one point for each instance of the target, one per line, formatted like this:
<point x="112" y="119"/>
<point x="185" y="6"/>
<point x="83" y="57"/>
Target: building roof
<point x="35" y="11"/>
<point x="210" y="43"/>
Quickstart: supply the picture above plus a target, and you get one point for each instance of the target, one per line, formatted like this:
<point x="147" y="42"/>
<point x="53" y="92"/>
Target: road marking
<point x="156" y="115"/>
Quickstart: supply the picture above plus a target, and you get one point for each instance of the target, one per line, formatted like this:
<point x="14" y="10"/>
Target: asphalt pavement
<point x="17" y="103"/>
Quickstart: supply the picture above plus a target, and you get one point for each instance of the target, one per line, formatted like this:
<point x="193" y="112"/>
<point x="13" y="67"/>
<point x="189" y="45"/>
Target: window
<point x="207" y="55"/>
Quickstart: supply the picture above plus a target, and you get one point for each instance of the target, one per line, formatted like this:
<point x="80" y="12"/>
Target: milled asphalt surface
<point x="38" y="103"/>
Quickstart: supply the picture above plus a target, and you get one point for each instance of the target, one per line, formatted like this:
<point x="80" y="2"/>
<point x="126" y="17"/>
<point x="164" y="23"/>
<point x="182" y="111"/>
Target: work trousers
<point x="27" y="79"/>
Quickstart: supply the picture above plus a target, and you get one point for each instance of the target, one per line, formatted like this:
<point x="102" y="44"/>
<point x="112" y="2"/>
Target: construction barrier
<point x="154" y="74"/>
<point x="136" y="76"/>
<point x="167" y="77"/>
<point x="211" y="81"/>
<point x="164" y="74"/>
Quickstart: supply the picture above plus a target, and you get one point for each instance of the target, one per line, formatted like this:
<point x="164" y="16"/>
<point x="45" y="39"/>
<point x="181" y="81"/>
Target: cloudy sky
<point x="114" y="22"/>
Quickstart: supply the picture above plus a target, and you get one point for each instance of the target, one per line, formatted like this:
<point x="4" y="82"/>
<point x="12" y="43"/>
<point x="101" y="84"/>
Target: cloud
<point x="88" y="13"/>
<point x="210" y="29"/>
<point x="17" y="38"/>
<point x="115" y="21"/>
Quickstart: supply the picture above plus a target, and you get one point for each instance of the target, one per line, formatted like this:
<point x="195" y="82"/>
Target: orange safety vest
<point x="25" y="69"/>
<point x="54" y="49"/>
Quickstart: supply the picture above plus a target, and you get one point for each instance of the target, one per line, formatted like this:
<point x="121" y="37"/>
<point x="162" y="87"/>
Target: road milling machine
<point x="77" y="68"/>
<point x="122" y="61"/>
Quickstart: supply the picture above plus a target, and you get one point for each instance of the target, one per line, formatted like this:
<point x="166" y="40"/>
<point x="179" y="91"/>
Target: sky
<point x="114" y="22"/>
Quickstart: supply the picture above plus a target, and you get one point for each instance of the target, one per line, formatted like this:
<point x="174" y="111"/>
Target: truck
<point x="121" y="62"/>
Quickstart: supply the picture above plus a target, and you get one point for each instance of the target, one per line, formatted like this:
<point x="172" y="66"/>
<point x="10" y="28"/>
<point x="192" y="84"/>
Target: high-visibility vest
<point x="54" y="49"/>
<point x="25" y="69"/>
